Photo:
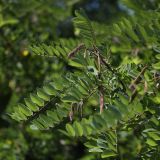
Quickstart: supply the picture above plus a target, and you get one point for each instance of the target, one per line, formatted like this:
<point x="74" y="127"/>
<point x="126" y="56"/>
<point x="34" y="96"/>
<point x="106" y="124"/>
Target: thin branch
<point x="43" y="109"/>
<point x="54" y="100"/>
<point x="138" y="78"/>
<point x="75" y="50"/>
<point x="134" y="83"/>
<point x="113" y="71"/>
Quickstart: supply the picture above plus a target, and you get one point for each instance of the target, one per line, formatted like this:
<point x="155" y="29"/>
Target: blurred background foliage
<point x="23" y="23"/>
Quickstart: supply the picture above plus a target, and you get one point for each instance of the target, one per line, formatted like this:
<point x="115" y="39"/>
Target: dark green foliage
<point x="98" y="88"/>
<point x="108" y="106"/>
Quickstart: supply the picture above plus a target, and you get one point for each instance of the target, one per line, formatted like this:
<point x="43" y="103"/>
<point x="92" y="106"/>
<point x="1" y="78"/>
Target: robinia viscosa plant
<point x="109" y="104"/>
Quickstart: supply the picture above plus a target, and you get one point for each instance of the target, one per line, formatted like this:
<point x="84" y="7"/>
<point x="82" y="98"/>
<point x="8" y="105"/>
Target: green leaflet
<point x="75" y="64"/>
<point x="101" y="143"/>
<point x="25" y="110"/>
<point x="95" y="149"/>
<point x="156" y="99"/>
<point x="90" y="144"/>
<point x="156" y="49"/>
<point x="108" y="153"/>
<point x="109" y="119"/>
<point x="50" y="90"/>
<point x="46" y="121"/>
<point x="10" y="21"/>
<point x="48" y="49"/>
<point x="154" y="136"/>
<point x="58" y="84"/>
<point x="77" y="94"/>
<point x="117" y="28"/>
<point x="42" y="121"/>
<point x="87" y="129"/>
<point x="32" y="106"/>
<point x="122" y="108"/>
<point x="78" y="128"/>
<point x="115" y="112"/>
<point x="38" y="125"/>
<point x="124" y="100"/>
<point x="18" y="115"/>
<point x="43" y="95"/>
<point x="143" y="33"/>
<point x="70" y="130"/>
<point x="151" y="142"/>
<point x="61" y="112"/>
<point x="69" y="98"/>
<point x="99" y="122"/>
<point x="158" y="56"/>
<point x="53" y="115"/>
<point x="37" y="100"/>
<point x="37" y="50"/>
<point x="156" y="66"/>
<point x="132" y="34"/>
<point x="61" y="51"/>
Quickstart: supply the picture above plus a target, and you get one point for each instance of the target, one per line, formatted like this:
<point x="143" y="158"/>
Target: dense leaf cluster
<point x="108" y="103"/>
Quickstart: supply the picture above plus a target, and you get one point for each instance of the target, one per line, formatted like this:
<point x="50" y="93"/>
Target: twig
<point x="101" y="100"/>
<point x="138" y="78"/>
<point x="135" y="82"/>
<point x="110" y="69"/>
<point x="75" y="50"/>
<point x="42" y="110"/>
